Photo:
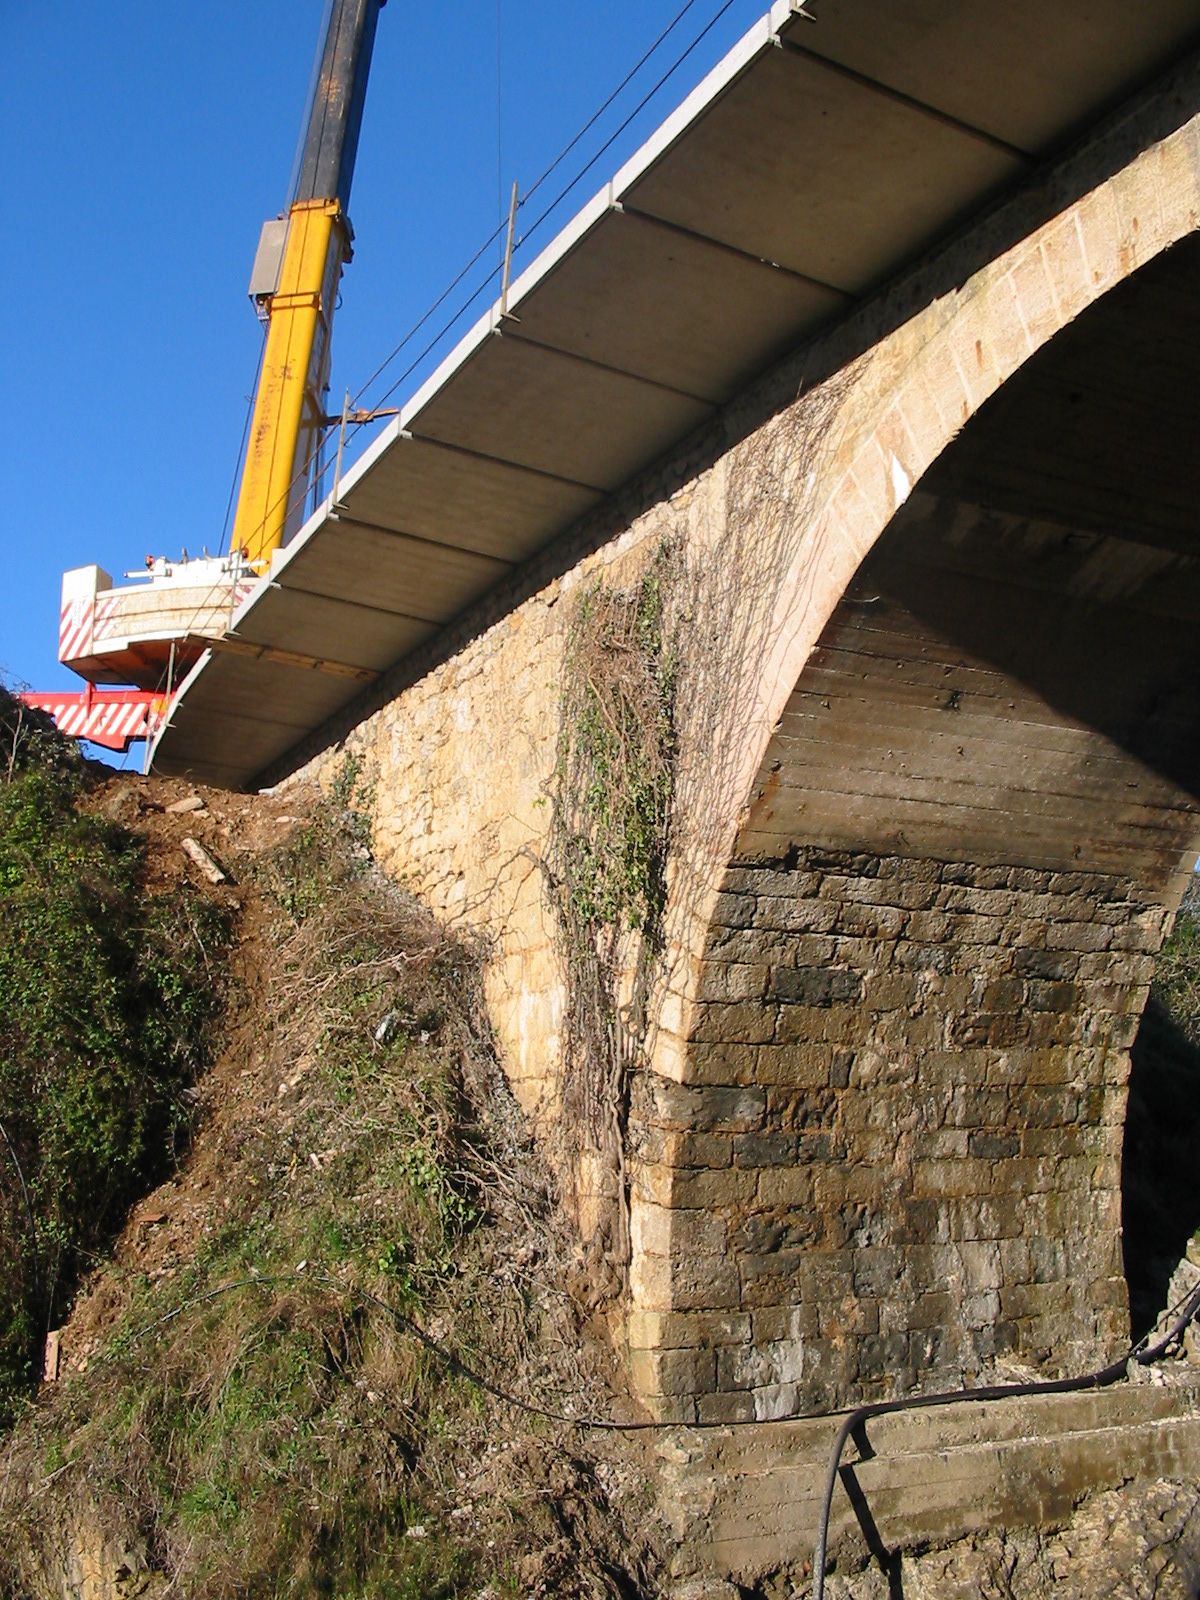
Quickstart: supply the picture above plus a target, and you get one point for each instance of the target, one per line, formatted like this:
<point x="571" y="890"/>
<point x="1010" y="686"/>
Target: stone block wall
<point x="897" y="1155"/>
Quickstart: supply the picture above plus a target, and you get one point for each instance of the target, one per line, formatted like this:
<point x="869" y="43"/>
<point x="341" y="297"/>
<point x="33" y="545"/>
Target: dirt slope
<point x="242" y="1407"/>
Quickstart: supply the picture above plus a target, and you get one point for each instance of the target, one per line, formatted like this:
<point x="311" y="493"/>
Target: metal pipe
<point x="1141" y="1354"/>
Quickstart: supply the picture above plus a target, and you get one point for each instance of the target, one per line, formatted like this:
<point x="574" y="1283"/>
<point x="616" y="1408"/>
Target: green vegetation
<point x="615" y="765"/>
<point x="613" y="791"/>
<point x="109" y="995"/>
<point x="256" y="1418"/>
<point x="1177" y="973"/>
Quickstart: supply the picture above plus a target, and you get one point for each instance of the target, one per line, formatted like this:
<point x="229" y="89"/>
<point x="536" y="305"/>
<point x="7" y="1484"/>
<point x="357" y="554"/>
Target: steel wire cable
<point x="302" y="472"/>
<point x="241" y="451"/>
<point x="637" y="110"/>
<point x="540" y="180"/>
<point x="1141" y="1354"/>
<point x="354" y="426"/>
<point x="558" y="199"/>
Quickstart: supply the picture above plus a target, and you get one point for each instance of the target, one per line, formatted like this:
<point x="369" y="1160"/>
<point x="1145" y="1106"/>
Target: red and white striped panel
<point x="113" y="718"/>
<point x="75" y="629"/>
<point x="105" y="608"/>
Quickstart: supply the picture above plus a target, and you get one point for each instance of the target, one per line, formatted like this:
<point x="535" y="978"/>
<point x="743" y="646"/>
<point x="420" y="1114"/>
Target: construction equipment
<point x="147" y="635"/>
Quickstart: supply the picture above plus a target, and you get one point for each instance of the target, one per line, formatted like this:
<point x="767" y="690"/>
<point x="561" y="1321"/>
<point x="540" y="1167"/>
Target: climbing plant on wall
<point x="612" y="795"/>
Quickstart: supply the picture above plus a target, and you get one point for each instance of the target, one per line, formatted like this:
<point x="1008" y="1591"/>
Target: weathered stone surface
<point x="1073" y="1489"/>
<point x="918" y="971"/>
<point x="814" y="986"/>
<point x="1137" y="1543"/>
<point x="906" y="1106"/>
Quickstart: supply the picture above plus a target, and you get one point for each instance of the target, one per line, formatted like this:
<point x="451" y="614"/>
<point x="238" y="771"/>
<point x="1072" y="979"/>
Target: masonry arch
<point x="896" y="1143"/>
<point x="891" y="412"/>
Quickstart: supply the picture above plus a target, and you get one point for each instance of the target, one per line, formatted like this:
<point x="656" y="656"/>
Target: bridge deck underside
<point x="795" y="182"/>
<point x="1014" y="672"/>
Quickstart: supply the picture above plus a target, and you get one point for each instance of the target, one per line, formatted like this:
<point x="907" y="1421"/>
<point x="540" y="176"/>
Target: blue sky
<point x="145" y="145"/>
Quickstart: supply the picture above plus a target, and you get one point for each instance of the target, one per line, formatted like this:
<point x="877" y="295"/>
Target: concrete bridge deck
<point x="812" y="165"/>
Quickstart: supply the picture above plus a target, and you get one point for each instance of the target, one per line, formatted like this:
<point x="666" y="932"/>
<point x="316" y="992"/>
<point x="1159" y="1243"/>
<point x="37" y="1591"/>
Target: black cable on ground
<point x="1141" y="1354"/>
<point x="453" y="1361"/>
<point x="448" y="1357"/>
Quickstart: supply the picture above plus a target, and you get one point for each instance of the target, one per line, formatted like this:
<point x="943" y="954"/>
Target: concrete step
<point x="746" y="1499"/>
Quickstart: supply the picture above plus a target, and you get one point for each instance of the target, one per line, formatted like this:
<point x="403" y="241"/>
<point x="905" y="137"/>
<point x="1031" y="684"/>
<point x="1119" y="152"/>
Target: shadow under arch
<point x="1053" y="552"/>
<point x="1044" y="576"/>
<point x="1160" y="1202"/>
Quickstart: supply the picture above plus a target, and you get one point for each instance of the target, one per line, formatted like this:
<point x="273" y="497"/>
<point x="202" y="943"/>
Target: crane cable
<point x="301" y="473"/>
<point x="241" y="453"/>
<point x="641" y="105"/>
<point x="533" y="189"/>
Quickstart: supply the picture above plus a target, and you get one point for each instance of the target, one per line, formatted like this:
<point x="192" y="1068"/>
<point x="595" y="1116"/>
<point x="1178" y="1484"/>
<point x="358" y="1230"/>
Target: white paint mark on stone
<point x="775" y="1402"/>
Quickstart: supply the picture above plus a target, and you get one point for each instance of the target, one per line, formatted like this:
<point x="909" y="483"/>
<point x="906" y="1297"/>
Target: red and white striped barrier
<point x="75" y="629"/>
<point x="114" y="718"/>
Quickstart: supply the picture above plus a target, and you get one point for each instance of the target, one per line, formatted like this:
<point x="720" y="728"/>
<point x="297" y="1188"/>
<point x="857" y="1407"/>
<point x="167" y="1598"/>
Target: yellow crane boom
<point x="151" y="634"/>
<point x="295" y="284"/>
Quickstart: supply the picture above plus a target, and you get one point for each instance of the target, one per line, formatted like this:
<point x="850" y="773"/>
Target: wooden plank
<point x="897" y="722"/>
<point x="1046" y="444"/>
<point x="1028" y="556"/>
<point x="1051" y="641"/>
<point x="973" y="596"/>
<point x="832" y="684"/>
<point x="946" y="832"/>
<point x="833" y="688"/>
<point x="920" y="842"/>
<point x="866" y="666"/>
<point x="845" y="722"/>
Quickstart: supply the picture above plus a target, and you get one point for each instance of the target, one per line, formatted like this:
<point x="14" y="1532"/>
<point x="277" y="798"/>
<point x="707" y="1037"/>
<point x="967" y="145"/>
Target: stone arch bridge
<point x="935" y="757"/>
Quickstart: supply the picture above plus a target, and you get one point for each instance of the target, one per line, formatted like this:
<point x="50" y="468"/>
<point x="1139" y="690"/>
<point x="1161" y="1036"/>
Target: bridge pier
<point x="895" y="1161"/>
<point x="883" y="1151"/>
<point x="747" y="1499"/>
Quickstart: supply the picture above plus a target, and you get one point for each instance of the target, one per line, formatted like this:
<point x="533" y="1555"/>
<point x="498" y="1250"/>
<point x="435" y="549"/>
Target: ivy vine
<point x="613" y="791"/>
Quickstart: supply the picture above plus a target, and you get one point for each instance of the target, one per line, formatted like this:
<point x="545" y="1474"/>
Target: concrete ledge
<point x="746" y="1499"/>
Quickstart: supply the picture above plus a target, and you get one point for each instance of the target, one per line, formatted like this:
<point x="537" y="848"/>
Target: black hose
<point x="1140" y="1353"/>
